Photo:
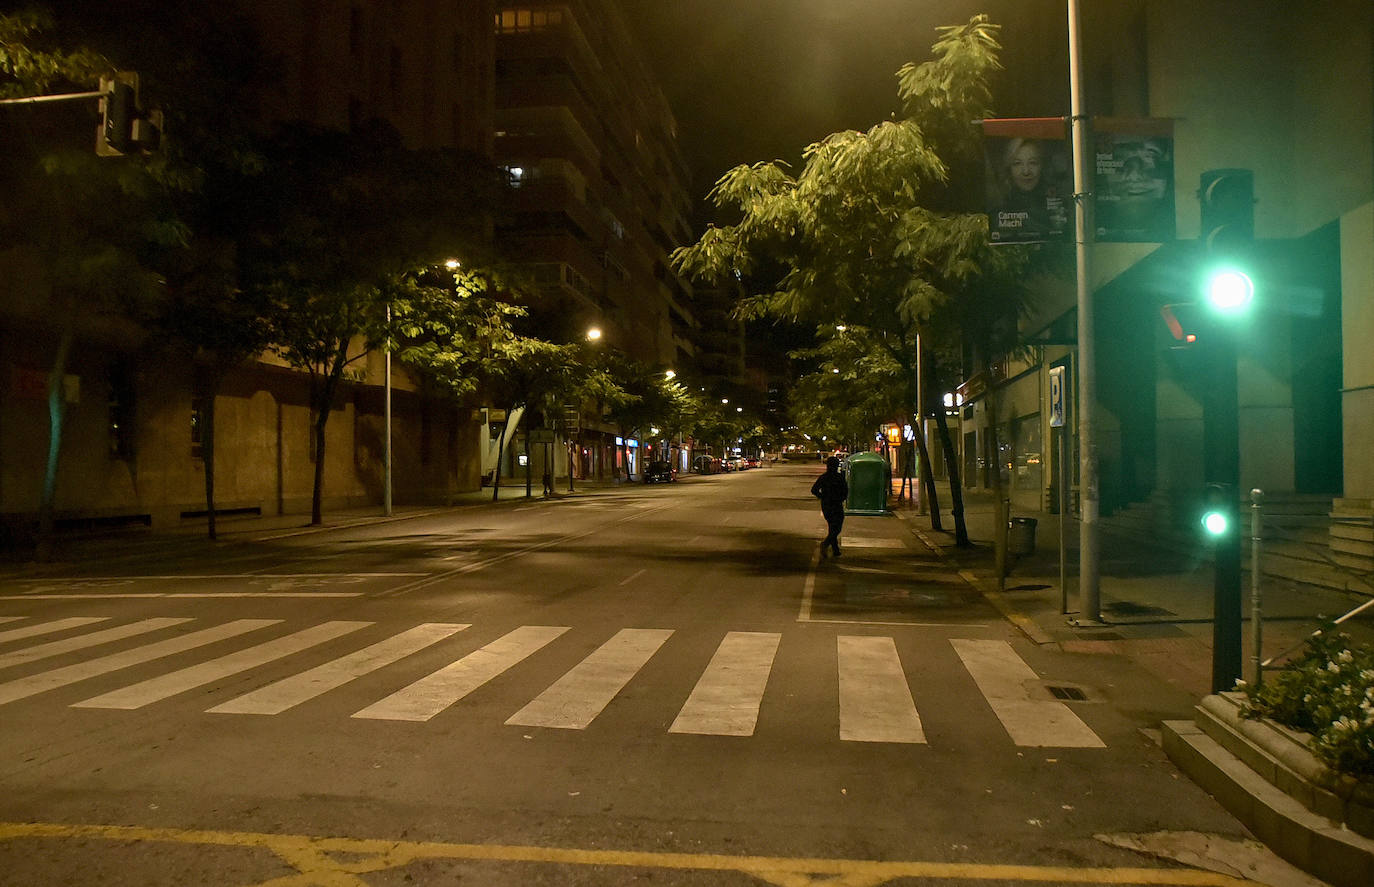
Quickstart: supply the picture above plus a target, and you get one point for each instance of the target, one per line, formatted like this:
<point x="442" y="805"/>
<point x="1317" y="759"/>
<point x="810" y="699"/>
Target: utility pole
<point x="1089" y="588"/>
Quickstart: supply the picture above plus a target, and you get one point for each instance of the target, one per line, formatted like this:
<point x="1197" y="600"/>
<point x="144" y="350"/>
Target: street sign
<point x="1057" y="397"/>
<point x="496" y="417"/>
<point x="541" y="435"/>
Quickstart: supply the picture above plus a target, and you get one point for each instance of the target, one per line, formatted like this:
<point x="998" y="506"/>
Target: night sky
<point x="757" y="80"/>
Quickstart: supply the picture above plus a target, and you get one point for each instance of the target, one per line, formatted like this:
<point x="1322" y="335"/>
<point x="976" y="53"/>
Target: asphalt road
<point x="658" y="685"/>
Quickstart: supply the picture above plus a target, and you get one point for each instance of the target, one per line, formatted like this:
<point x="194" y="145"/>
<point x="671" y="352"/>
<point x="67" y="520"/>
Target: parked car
<point x="660" y="472"/>
<point x="706" y="465"/>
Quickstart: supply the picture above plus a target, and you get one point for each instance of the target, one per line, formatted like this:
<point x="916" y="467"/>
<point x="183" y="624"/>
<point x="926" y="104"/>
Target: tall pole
<point x="920" y="427"/>
<point x="386" y="447"/>
<point x="1089" y="592"/>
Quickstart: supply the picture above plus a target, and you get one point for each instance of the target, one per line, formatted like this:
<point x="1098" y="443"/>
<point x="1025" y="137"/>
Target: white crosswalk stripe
<point x="82" y="642"/>
<point x="288" y="692"/>
<point x="875" y="701"/>
<point x="581" y="694"/>
<point x="1005" y="680"/>
<point x="168" y="685"/>
<point x="725" y="702"/>
<point x="874" y="698"/>
<point x="61" y="677"/>
<point x="56" y="625"/>
<point x="430" y="695"/>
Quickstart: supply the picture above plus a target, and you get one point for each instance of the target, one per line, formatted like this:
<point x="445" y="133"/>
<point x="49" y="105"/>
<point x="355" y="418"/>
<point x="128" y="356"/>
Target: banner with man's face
<point x="1134" y="182"/>
<point x="1029" y="180"/>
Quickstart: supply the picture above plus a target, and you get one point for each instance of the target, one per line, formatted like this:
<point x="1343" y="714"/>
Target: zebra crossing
<point x="875" y="701"/>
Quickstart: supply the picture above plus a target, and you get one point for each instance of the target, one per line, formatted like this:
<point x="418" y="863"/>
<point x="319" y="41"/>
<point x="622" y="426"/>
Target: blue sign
<point x="1057" y="397"/>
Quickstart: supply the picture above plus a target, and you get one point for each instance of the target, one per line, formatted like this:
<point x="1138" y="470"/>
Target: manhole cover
<point x="1069" y="694"/>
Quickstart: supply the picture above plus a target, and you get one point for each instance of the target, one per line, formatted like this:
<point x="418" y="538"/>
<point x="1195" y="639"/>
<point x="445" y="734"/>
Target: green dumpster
<point x="870" y="482"/>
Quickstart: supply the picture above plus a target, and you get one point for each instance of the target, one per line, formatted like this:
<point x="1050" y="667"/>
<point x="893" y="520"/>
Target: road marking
<point x="339" y="861"/>
<point x="12" y="618"/>
<point x="196" y="577"/>
<point x="288" y="692"/>
<point x="168" y="685"/>
<point x="68" y="645"/>
<point x="166" y="594"/>
<point x="725" y="702"/>
<point x="61" y="677"/>
<point x="875" y="700"/>
<point x="809" y="587"/>
<point x="1006" y="682"/>
<point x="633" y="576"/>
<point x="432" y="694"/>
<point x="863" y="542"/>
<point x="575" y="699"/>
<point x="496" y="559"/>
<point x="29" y="631"/>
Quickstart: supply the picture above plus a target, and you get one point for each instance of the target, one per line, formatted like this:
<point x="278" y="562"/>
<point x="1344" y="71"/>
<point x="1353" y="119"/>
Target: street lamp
<point x="593" y="334"/>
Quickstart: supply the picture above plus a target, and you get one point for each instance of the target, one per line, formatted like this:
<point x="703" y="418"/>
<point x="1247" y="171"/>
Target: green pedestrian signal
<point x="1218" y="511"/>
<point x="1229" y="290"/>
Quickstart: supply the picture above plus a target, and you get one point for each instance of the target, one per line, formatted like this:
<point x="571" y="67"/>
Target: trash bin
<point x="870" y="481"/>
<point x="1021" y="539"/>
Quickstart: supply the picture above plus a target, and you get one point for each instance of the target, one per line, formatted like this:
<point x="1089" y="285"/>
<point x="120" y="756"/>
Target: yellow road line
<point x="311" y="857"/>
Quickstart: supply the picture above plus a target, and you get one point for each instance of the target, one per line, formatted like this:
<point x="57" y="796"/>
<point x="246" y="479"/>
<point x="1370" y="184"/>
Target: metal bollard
<point x="1256" y="623"/>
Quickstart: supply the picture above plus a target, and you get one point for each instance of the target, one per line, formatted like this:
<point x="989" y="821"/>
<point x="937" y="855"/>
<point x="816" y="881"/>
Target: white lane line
<point x="1006" y="681"/>
<point x="575" y="699"/>
<point x="12" y="618"/>
<point x="862" y="542"/>
<point x="61" y="677"/>
<point x="875" y="700"/>
<point x="95" y="638"/>
<point x="278" y="697"/>
<point x="168" y="685"/>
<point x="29" y="631"/>
<point x="725" y="702"/>
<point x="433" y="693"/>
<point x="633" y="576"/>
<point x="809" y="588"/>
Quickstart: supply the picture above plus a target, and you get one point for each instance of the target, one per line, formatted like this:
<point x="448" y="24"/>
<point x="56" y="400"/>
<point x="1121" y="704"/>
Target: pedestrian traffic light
<point x="1218" y="510"/>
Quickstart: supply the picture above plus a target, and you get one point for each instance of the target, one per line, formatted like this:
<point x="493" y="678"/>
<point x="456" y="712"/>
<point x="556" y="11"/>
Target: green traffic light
<point x="1215" y="523"/>
<point x="1229" y="289"/>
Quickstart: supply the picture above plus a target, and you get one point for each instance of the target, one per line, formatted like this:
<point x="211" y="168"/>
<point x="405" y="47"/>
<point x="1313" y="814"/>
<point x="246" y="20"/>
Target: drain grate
<point x="1072" y="694"/>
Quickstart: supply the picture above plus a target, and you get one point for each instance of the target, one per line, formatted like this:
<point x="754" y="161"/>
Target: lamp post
<point x="386" y="448"/>
<point x="1089" y="590"/>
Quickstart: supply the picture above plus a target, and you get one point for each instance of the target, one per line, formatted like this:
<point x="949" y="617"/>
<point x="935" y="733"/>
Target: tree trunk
<point x="500" y="457"/>
<point x="323" y="406"/>
<point x="956" y="489"/>
<point x="928" y="483"/>
<point x="57" y="411"/>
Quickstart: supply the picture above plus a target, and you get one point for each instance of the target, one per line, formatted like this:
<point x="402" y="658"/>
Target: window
<point x="197" y="425"/>
<point x="121" y="414"/>
<point x="511" y="21"/>
<point x="355" y="30"/>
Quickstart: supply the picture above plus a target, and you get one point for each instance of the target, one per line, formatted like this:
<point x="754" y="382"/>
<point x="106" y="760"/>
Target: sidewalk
<point x="1155" y="603"/>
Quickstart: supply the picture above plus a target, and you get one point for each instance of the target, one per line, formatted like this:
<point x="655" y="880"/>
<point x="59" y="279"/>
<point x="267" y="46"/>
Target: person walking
<point x="832" y="489"/>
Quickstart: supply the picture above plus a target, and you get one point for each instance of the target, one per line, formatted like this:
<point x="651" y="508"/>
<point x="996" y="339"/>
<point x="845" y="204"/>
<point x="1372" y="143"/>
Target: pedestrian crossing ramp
<point x="874" y="698"/>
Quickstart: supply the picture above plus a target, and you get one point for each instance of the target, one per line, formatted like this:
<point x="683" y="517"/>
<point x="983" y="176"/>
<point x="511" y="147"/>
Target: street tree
<point x="338" y="218"/>
<point x="87" y="223"/>
<point x="855" y="231"/>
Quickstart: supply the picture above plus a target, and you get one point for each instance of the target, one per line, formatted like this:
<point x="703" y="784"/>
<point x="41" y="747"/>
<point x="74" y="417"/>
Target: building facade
<point x="599" y="207"/>
<point x="1289" y="94"/>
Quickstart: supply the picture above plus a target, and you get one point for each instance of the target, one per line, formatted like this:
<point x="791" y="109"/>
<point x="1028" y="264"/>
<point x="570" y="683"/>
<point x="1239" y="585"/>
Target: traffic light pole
<point x="1221" y="465"/>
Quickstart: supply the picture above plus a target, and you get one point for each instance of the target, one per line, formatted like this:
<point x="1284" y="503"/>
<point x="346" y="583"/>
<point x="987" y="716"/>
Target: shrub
<point x="1329" y="693"/>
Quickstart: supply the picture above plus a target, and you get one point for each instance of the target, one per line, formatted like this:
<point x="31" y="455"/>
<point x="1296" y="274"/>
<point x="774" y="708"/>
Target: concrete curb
<point x="1312" y="842"/>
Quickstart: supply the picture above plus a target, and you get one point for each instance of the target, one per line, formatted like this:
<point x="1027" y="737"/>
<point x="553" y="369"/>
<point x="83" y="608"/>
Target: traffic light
<point x="1218" y="510"/>
<point x="1227" y="197"/>
<point x="124" y="127"/>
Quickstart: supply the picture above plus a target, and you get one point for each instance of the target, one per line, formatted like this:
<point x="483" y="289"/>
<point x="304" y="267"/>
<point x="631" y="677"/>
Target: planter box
<point x="1261" y="772"/>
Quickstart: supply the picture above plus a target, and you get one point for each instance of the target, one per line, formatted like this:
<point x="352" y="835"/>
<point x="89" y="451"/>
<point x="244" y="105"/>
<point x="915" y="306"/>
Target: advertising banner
<point x="1134" y="180"/>
<point x="1029" y="180"/>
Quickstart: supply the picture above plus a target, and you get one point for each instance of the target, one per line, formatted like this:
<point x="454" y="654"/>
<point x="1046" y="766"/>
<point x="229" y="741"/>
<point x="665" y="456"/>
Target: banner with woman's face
<point x="1029" y="180"/>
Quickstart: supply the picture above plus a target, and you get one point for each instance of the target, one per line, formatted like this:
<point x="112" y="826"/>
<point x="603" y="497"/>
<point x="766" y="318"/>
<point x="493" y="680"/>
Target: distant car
<point x="660" y="472"/>
<point x="751" y="462"/>
<point x="706" y="465"/>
